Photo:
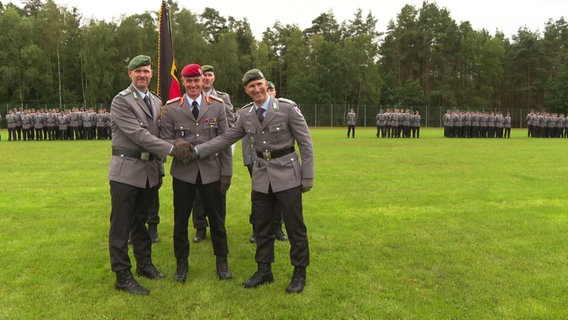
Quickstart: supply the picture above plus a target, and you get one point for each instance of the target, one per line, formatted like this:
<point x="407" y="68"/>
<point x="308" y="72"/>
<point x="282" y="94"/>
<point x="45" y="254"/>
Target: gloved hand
<point x="181" y="149"/>
<point x="307" y="184"/>
<point x="225" y="184"/>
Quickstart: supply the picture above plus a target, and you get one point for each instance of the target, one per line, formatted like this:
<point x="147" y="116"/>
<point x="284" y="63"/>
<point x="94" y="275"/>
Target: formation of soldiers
<point x="74" y="124"/>
<point x="398" y="123"/>
<point x="547" y="125"/>
<point x="475" y="124"/>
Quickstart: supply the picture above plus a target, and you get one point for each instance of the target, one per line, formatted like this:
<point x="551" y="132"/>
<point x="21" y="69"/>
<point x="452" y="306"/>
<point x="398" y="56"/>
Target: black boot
<point x="145" y="268"/>
<point x="223" y="268"/>
<point x="200" y="235"/>
<point x="279" y="234"/>
<point x="262" y="276"/>
<point x="181" y="269"/>
<point x="125" y="281"/>
<point x="298" y="280"/>
<point x="153" y="231"/>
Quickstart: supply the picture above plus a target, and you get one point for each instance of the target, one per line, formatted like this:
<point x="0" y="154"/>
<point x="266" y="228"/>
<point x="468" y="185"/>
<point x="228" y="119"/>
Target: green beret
<point x="207" y="67"/>
<point x="139" y="61"/>
<point x="252" y="75"/>
<point x="271" y="85"/>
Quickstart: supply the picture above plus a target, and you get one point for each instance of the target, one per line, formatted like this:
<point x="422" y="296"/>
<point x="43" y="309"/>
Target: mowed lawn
<point x="428" y="228"/>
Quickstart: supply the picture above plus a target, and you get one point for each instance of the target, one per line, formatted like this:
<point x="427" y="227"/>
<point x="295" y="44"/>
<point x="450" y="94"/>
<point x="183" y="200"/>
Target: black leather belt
<point x="267" y="155"/>
<point x="133" y="154"/>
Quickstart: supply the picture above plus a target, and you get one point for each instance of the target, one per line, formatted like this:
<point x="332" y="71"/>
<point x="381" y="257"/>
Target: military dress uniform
<point x="203" y="175"/>
<point x="199" y="216"/>
<point x="277" y="176"/>
<point x="134" y="173"/>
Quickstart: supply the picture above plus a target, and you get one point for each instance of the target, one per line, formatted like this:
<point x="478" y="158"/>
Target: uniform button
<point x="264" y="142"/>
<point x="277" y="128"/>
<point x="197" y="123"/>
<point x="197" y="135"/>
<point x="262" y="132"/>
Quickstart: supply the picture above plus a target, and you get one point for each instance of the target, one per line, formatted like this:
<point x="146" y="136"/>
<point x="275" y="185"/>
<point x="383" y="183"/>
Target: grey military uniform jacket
<point x="229" y="109"/>
<point x="282" y="128"/>
<point x="134" y="128"/>
<point x="179" y="122"/>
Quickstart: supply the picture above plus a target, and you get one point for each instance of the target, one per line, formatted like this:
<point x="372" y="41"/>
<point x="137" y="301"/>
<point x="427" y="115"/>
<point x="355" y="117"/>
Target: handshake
<point x="184" y="151"/>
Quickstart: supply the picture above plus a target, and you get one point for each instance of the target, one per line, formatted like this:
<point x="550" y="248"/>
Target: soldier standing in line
<point x="40" y="122"/>
<point x="416" y="124"/>
<point x="351" y="121"/>
<point x="26" y="125"/>
<point x="63" y="123"/>
<point x="51" y="123"/>
<point x="11" y="124"/>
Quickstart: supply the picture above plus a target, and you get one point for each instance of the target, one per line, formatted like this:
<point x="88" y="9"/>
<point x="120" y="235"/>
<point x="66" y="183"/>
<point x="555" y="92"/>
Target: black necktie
<point x="195" y="109"/>
<point x="260" y="114"/>
<point x="147" y="101"/>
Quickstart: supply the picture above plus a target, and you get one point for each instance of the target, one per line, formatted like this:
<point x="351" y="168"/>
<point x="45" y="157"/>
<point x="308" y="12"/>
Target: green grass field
<point x="427" y="228"/>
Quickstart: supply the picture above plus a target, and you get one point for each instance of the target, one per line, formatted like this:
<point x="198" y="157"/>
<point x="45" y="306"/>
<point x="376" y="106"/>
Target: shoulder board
<point x="221" y="93"/>
<point x="248" y="105"/>
<point x="215" y="98"/>
<point x="125" y="92"/>
<point x="286" y="100"/>
<point x="173" y="100"/>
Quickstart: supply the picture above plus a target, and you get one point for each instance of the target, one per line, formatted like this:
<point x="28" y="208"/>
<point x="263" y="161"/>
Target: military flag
<point x="168" y="83"/>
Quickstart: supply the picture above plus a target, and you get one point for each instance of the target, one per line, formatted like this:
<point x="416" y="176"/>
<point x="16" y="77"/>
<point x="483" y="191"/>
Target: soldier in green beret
<point x="135" y="174"/>
<point x="280" y="174"/>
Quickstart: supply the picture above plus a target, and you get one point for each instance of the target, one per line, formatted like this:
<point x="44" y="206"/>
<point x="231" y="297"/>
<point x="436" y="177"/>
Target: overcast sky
<point x="504" y="15"/>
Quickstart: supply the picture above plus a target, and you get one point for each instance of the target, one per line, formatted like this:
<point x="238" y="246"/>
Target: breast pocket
<point x="181" y="131"/>
<point x="278" y="130"/>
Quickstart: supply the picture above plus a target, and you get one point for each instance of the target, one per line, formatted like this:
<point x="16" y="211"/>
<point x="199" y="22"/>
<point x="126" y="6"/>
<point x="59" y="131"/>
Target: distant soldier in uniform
<point x="416" y="124"/>
<point x="197" y="118"/>
<point x="507" y="125"/>
<point x="19" y="115"/>
<point x="279" y="176"/>
<point x="27" y="125"/>
<point x="40" y="122"/>
<point x="51" y="122"/>
<point x="381" y="121"/>
<point x="11" y="124"/>
<point x="63" y="120"/>
<point x="351" y="121"/>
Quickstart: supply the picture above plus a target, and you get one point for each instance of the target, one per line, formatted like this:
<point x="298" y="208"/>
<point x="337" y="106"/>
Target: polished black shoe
<point x="279" y="235"/>
<point x="252" y="238"/>
<point x="181" y="270"/>
<point x="147" y="269"/>
<point x="200" y="235"/>
<point x="153" y="231"/>
<point x="298" y="281"/>
<point x="126" y="282"/>
<point x="262" y="276"/>
<point x="223" y="271"/>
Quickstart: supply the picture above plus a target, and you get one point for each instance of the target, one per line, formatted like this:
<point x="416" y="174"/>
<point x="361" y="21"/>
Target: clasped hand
<point x="184" y="151"/>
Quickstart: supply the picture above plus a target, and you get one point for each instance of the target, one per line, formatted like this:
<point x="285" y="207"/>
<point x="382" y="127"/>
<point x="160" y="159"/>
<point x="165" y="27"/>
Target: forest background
<point x="52" y="57"/>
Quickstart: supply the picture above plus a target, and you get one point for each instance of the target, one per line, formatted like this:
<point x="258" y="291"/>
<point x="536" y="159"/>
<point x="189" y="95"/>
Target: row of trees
<point x="52" y="56"/>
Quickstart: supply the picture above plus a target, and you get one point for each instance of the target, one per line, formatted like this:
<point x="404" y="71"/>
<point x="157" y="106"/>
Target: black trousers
<point x="128" y="216"/>
<point x="351" y="130"/>
<point x="199" y="216"/>
<point x="264" y="207"/>
<point x="184" y="196"/>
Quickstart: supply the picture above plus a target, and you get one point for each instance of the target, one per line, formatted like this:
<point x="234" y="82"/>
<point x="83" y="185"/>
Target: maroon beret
<point x="191" y="70"/>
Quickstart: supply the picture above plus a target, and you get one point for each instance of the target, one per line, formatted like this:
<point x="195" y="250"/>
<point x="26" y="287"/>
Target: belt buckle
<point x="145" y="156"/>
<point x="266" y="155"/>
